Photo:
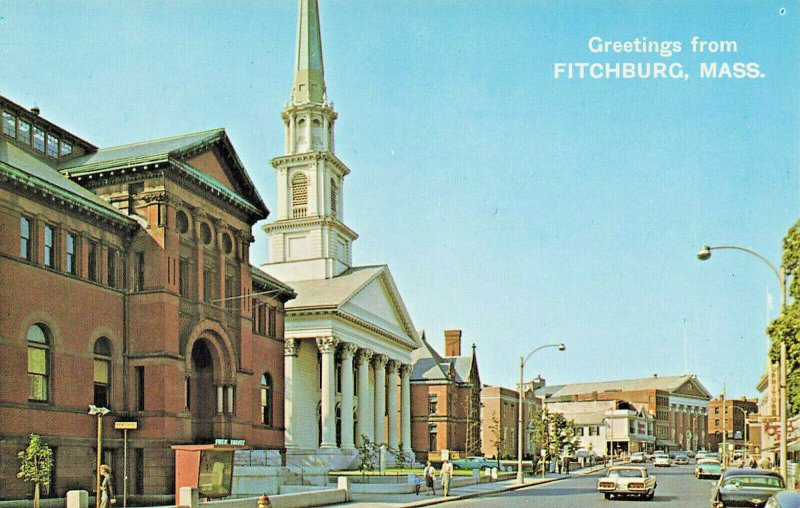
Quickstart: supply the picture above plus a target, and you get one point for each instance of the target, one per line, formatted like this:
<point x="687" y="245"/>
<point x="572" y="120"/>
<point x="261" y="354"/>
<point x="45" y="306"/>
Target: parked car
<point x="701" y="454"/>
<point x="661" y="460"/>
<point x="586" y="457"/>
<point x="784" y="499"/>
<point x="746" y="487"/>
<point x="681" y="458"/>
<point x="638" y="457"/>
<point x="626" y="481"/>
<point x="475" y="463"/>
<point x="690" y="454"/>
<point x="707" y="468"/>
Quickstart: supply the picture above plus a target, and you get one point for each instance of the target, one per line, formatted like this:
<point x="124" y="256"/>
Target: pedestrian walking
<point x="106" y="487"/>
<point x="764" y="463"/>
<point x="565" y="467"/>
<point x="429" y="473"/>
<point x="447" y="475"/>
<point x="753" y="464"/>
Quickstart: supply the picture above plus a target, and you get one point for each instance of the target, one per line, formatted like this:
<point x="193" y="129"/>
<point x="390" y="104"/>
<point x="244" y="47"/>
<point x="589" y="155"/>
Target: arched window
<point x="338" y="425"/>
<point x="181" y="222"/>
<point x="334" y="197"/>
<point x="299" y="195"/>
<point x="102" y="372"/>
<point x="39" y="363"/>
<point x="266" y="399"/>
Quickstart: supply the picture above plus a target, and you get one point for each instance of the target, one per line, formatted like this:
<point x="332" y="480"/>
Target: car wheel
<point x="650" y="495"/>
<point x="607" y="495"/>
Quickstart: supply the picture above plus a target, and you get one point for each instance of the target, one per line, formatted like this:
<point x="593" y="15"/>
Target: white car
<point x="662" y="461"/>
<point x="627" y="481"/>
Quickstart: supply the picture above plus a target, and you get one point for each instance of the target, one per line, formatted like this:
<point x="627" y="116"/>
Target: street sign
<point x="126" y="425"/>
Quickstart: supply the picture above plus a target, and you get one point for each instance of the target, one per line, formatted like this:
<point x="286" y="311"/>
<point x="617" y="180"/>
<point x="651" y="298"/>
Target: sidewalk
<point x="479" y="489"/>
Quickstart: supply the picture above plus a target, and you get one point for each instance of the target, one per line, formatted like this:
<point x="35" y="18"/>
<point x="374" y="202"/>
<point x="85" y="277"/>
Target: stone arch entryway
<point x="210" y="365"/>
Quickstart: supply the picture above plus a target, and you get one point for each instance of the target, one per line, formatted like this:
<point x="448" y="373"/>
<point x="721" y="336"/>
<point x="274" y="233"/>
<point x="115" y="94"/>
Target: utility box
<point x="207" y="467"/>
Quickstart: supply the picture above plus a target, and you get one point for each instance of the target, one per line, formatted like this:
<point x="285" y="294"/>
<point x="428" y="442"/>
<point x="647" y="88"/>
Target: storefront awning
<point x="793" y="446"/>
<point x="667" y="443"/>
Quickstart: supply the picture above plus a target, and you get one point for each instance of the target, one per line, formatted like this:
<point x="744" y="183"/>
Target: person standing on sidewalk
<point x="447" y="475"/>
<point x="106" y="487"/>
<point x="429" y="473"/>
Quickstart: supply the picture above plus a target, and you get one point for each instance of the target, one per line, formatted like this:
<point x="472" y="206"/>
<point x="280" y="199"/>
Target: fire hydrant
<point x="264" y="502"/>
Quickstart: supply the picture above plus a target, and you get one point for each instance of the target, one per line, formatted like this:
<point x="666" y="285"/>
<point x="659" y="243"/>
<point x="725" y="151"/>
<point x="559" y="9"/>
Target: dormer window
<point x="66" y="149"/>
<point x="38" y="139"/>
<point x="24" y="133"/>
<point x="9" y="124"/>
<point x="52" y="146"/>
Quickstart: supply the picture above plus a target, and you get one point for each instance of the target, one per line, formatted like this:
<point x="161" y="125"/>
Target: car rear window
<point x="624" y="473"/>
<point x="769" y="482"/>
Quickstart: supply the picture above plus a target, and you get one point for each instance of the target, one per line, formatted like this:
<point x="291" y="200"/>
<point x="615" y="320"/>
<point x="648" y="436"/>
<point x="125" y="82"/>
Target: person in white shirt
<point x="447" y="475"/>
<point x="429" y="473"/>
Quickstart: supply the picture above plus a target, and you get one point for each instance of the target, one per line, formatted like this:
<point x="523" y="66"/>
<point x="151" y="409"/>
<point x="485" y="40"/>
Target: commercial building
<point x="445" y="400"/>
<point x="733" y="416"/>
<point x="500" y="420"/>
<point x="679" y="404"/>
<point x="127" y="285"/>
<point x="349" y="336"/>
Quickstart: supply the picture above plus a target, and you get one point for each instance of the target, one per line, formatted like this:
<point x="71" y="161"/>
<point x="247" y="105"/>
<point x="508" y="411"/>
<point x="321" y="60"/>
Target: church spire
<point x="309" y="73"/>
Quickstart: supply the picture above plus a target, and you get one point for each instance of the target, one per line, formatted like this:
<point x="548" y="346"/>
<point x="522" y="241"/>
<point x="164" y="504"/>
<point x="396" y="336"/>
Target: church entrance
<point x="201" y="393"/>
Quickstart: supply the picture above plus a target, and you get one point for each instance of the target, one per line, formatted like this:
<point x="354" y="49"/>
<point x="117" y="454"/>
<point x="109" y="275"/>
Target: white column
<point x="379" y="361"/>
<point x="348" y="350"/>
<point x="292" y="135"/>
<point x="327" y="346"/>
<point x="230" y="399"/>
<point x="365" y="399"/>
<point x="220" y="398"/>
<point x="391" y="403"/>
<point x="405" y="407"/>
<point x="290" y="349"/>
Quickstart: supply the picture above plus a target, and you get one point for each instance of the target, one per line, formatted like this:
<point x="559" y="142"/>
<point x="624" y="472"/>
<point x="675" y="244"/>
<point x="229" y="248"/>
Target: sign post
<point x="125" y="427"/>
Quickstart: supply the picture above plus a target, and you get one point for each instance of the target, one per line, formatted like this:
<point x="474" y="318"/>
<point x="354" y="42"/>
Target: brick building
<point x="737" y="413"/>
<point x="678" y="403"/>
<point x="132" y="289"/>
<point x="500" y="421"/>
<point x="445" y="400"/>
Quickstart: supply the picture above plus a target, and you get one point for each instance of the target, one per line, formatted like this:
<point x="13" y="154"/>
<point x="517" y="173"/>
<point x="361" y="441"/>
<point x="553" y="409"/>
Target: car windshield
<point x="624" y="473"/>
<point x="753" y="482"/>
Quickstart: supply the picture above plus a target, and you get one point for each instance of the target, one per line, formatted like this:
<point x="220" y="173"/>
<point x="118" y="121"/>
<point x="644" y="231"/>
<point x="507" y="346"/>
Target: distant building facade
<point x="132" y="290"/>
<point x="733" y="416"/>
<point x="679" y="405"/>
<point x="445" y="400"/>
<point x="500" y="421"/>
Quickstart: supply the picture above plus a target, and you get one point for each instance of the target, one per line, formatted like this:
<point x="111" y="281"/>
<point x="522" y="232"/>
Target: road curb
<point x="440" y="500"/>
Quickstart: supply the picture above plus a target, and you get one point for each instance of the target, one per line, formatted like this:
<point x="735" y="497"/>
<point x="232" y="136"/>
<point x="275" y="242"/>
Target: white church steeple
<point x="309" y="239"/>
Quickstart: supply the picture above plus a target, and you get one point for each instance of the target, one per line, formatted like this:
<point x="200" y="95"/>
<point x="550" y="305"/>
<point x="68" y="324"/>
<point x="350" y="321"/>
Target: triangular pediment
<point x="692" y="388"/>
<point x="210" y="164"/>
<point x="375" y="303"/>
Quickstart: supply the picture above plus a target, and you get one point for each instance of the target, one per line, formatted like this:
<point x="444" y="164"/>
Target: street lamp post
<point x="561" y="347"/>
<point x="100" y="412"/>
<point x="746" y="425"/>
<point x="780" y="274"/>
<point x="694" y="430"/>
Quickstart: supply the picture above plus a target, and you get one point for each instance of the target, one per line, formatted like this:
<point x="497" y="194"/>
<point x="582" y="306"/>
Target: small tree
<point x="367" y="451"/>
<point x="36" y="465"/>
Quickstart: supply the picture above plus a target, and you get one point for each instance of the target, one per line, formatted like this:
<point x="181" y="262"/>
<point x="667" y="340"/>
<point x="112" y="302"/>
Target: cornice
<point x="319" y="220"/>
<point x="311" y="157"/>
<point x="334" y="311"/>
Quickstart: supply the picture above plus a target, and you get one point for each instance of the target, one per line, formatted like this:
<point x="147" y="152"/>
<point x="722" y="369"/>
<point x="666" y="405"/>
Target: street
<point x="677" y="487"/>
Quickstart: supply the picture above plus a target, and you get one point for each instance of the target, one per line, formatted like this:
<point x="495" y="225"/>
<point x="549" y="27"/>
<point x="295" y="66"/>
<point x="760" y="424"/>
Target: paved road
<point x="677" y="487"/>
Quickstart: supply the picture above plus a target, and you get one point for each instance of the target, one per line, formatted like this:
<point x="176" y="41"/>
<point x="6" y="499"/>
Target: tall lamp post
<point x="746" y="425"/>
<point x="694" y="429"/>
<point x="704" y="254"/>
<point x="561" y="347"/>
<point x="100" y="412"/>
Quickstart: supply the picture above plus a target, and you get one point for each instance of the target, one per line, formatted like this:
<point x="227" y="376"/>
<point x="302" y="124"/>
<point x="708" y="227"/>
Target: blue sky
<point x="521" y="209"/>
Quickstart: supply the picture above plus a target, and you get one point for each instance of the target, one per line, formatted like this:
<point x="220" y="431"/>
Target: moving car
<point x="784" y="499"/>
<point x="626" y="481"/>
<point x="662" y="460"/>
<point x="681" y="458"/>
<point x="707" y="468"/>
<point x="638" y="457"/>
<point x="746" y="487"/>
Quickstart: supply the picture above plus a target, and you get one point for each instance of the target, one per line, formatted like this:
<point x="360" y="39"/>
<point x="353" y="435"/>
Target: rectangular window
<point x="432" y="404"/>
<point x="38" y="139"/>
<point x="24" y="133"/>
<point x="183" y="277"/>
<point x="272" y="318"/>
<point x="52" y="146"/>
<point x="102" y="380"/>
<point x="139" y="284"/>
<point x="71" y="253"/>
<point x="433" y="444"/>
<point x="112" y="268"/>
<point x="38" y="368"/>
<point x="66" y="149"/>
<point x="230" y="293"/>
<point x="92" y="261"/>
<point x="9" y="124"/>
<point x="49" y="246"/>
<point x="209" y="288"/>
<point x="138" y="480"/>
<point x="25" y="238"/>
<point x="139" y="388"/>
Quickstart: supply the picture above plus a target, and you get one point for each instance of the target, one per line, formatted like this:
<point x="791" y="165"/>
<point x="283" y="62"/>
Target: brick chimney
<point x="452" y="342"/>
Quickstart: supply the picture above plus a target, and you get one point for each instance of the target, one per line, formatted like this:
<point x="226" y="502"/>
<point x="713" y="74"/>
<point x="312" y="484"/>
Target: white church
<point x="349" y="336"/>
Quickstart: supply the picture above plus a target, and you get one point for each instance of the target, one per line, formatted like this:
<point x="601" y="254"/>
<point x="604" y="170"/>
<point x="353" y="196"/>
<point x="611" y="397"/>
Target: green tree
<point x="553" y="432"/>
<point x="367" y="453"/>
<point x="36" y="465"/>
<point x="786" y="327"/>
